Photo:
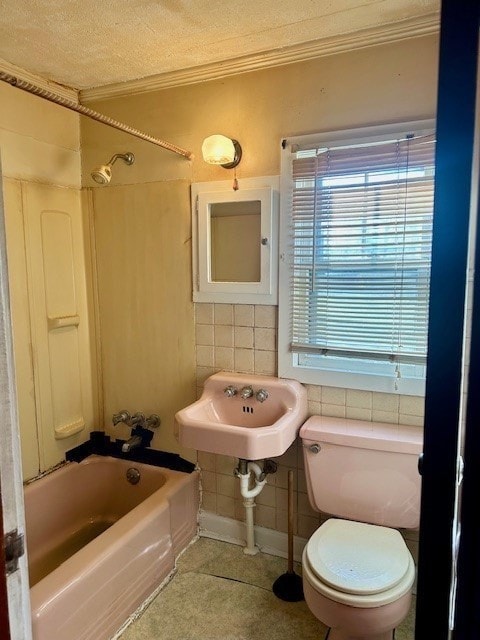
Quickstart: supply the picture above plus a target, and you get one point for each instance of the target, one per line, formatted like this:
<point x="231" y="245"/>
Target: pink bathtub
<point x="98" y="545"/>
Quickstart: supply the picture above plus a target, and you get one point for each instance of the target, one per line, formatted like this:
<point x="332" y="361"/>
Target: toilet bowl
<point x="357" y="570"/>
<point x="357" y="579"/>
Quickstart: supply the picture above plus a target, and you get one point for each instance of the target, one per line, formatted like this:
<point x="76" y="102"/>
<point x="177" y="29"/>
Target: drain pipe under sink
<point x="243" y="472"/>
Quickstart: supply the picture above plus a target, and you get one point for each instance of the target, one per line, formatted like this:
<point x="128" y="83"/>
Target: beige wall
<point x="40" y="151"/>
<point x="40" y="141"/>
<point x="143" y="248"/>
<point x="384" y="84"/>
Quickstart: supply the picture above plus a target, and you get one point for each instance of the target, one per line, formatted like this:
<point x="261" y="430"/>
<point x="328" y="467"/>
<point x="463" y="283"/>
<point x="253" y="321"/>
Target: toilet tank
<point x="366" y="471"/>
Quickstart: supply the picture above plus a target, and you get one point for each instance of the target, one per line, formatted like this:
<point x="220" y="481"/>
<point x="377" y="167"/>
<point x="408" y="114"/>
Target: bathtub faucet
<point x="138" y="419"/>
<point x="141" y="429"/>
<point x="140" y="438"/>
<point x="132" y="443"/>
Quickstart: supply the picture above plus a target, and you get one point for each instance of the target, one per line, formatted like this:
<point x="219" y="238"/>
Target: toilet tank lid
<point x="362" y="434"/>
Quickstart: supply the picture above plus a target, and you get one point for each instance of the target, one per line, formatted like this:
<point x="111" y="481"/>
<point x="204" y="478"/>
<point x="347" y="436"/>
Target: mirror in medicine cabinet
<point x="235" y="241"/>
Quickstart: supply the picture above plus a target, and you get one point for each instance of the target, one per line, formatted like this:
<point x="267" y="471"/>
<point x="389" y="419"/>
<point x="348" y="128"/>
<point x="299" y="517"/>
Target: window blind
<point x="362" y="232"/>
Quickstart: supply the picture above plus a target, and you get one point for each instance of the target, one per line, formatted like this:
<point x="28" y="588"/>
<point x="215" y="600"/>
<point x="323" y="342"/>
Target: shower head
<point x="103" y="174"/>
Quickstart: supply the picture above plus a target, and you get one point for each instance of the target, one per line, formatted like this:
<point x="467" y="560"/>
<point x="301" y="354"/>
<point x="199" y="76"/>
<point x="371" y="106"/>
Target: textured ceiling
<point x="89" y="43"/>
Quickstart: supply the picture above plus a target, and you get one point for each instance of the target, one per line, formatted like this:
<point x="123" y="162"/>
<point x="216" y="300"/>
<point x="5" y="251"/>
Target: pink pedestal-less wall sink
<point x="244" y="415"/>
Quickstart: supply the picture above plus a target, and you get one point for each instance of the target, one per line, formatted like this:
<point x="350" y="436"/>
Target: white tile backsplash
<point x="267" y="496"/>
<point x="334" y="395"/>
<point x="357" y="413"/>
<point x="359" y="399"/>
<point x="314" y="408"/>
<point x="314" y="392"/>
<point x="204" y="335"/>
<point x="265" y="362"/>
<point x="333" y="410"/>
<point x="205" y="356"/>
<point x="265" y="316"/>
<point x="391" y="417"/>
<point x="223" y="335"/>
<point x="204" y="313"/>
<point x="202" y="373"/>
<point x="223" y="314"/>
<point x="244" y="315"/>
<point x="224" y="358"/>
<point x="413" y="421"/>
<point x="385" y="401"/>
<point x="226" y="485"/>
<point x="244" y="337"/>
<point x="265" y="339"/>
<point x="411" y="405"/>
<point x="244" y="360"/>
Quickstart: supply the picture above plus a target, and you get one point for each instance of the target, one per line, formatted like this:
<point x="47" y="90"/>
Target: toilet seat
<point x="358" y="564"/>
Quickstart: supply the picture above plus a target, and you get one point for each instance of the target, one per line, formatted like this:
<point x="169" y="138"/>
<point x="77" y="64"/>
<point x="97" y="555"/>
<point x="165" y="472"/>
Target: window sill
<point x="349" y="380"/>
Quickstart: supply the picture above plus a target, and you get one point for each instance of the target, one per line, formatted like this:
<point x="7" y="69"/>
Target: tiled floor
<point x="219" y="593"/>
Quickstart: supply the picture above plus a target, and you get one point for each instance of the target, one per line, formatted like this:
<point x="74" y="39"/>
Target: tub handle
<point x="153" y="421"/>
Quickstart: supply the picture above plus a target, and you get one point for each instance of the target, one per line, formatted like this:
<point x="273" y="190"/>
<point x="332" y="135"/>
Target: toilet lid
<point x="358" y="558"/>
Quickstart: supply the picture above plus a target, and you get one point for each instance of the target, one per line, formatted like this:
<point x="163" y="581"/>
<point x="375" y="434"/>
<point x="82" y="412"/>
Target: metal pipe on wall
<point x="90" y="113"/>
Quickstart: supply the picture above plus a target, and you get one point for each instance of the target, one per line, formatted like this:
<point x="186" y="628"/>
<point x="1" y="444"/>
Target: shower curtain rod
<point x="90" y="113"/>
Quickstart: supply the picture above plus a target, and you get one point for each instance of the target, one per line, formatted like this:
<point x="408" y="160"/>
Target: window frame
<point x="340" y="373"/>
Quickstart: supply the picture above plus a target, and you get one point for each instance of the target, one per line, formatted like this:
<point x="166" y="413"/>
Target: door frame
<point x="12" y="508"/>
<point x="4" y="622"/>
<point x="467" y="604"/>
<point x="446" y="368"/>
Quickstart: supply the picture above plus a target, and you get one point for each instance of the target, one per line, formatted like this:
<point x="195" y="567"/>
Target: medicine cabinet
<point x="235" y="241"/>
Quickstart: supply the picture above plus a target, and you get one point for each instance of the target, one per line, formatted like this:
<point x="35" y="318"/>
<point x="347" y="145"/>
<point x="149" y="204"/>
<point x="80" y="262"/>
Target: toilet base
<point x="338" y="634"/>
<point x="355" y="623"/>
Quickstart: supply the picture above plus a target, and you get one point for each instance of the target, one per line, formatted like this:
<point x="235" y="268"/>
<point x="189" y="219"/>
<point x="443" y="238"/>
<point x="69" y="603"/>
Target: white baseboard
<point x="269" y="541"/>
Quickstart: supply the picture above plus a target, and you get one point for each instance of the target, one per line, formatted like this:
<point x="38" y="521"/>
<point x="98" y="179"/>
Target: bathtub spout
<point x="132" y="443"/>
<point x="140" y="438"/>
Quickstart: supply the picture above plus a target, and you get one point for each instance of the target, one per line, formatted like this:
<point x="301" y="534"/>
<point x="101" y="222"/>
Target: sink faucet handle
<point x="246" y="392"/>
<point x="153" y="421"/>
<point x="261" y="395"/>
<point x="230" y="391"/>
<point x="122" y="416"/>
<point x="137" y="419"/>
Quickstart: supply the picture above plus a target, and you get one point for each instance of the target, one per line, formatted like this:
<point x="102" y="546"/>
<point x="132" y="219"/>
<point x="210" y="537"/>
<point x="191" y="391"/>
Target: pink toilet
<point x="357" y="570"/>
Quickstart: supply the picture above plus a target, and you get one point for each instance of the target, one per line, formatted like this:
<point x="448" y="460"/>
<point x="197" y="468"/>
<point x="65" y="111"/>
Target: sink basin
<point x="243" y="428"/>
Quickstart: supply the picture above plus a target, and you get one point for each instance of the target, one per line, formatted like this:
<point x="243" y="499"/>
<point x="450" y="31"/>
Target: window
<point x="356" y="236"/>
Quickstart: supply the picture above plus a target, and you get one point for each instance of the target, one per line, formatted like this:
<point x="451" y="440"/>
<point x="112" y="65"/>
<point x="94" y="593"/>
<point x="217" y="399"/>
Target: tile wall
<point x="243" y="338"/>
